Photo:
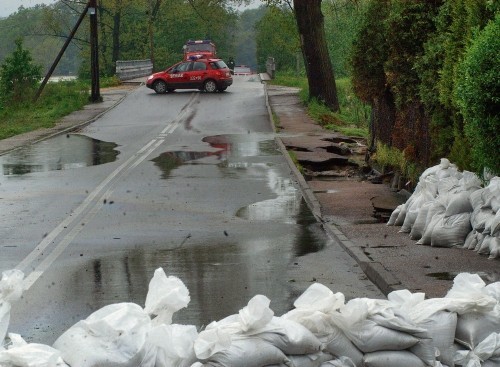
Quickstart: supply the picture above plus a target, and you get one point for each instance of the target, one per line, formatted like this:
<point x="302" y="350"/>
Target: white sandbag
<point x="440" y="328"/>
<point x="479" y="243"/>
<point x="471" y="240"/>
<point x="256" y="314"/>
<point x="310" y="360"/>
<point x="318" y="297"/>
<point x="22" y="354"/>
<point x="289" y="336"/>
<point x="392" y="359"/>
<point x="451" y="231"/>
<point x="417" y="230"/>
<point x="166" y="295"/>
<point x="447" y="185"/>
<point x="413" y="209"/>
<point x="248" y="352"/>
<point x="494" y="247"/>
<point x="459" y="203"/>
<point x="479" y="217"/>
<point x="470" y="181"/>
<point x="317" y="322"/>
<point x="172" y="345"/>
<point x="370" y="337"/>
<point x="476" y="199"/>
<point x="492" y="362"/>
<point x="394" y="215"/>
<point x="355" y="320"/>
<point x="495" y="204"/>
<point x="490" y="245"/>
<point x="11" y="289"/>
<point x="313" y="309"/>
<point x="474" y="327"/>
<point x="493" y="290"/>
<point x="489" y="348"/>
<point x="411" y="216"/>
<point x="491" y="192"/>
<point x="470" y="294"/>
<point x="443" y="164"/>
<point x="339" y="362"/>
<point x="401" y="216"/>
<point x="211" y="340"/>
<point x="339" y="345"/>
<point x="495" y="224"/>
<point x="434" y="216"/>
<point x="439" y="325"/>
<point x="113" y="336"/>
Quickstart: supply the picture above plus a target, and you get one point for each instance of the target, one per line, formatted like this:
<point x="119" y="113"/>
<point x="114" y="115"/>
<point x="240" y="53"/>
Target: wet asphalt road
<point x="192" y="182"/>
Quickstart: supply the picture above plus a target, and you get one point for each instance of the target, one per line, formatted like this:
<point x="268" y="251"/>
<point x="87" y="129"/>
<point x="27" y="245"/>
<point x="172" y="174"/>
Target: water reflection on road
<point x="221" y="277"/>
<point x="61" y="152"/>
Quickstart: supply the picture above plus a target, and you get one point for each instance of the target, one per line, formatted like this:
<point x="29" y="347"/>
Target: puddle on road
<point x="221" y="277"/>
<point x="228" y="147"/>
<point x="61" y="152"/>
<point x="488" y="277"/>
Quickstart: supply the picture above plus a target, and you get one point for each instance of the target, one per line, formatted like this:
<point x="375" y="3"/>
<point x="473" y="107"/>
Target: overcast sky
<point x="8" y="7"/>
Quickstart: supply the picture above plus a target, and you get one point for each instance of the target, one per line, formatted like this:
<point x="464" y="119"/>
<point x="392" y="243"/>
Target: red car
<point x="210" y="75"/>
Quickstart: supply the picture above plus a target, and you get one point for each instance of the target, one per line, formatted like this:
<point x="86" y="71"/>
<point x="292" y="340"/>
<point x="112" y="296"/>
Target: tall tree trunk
<point x="317" y="60"/>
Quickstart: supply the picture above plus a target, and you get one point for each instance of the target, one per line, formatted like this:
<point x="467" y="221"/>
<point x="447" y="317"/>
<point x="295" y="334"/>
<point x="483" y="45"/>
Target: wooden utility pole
<point x="58" y="58"/>
<point x="95" y="95"/>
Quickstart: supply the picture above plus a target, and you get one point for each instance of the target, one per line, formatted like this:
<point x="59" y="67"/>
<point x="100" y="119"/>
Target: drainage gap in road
<point x="61" y="152"/>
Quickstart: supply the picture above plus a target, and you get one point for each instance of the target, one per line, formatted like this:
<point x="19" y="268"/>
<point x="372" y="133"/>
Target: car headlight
<point x="150" y="77"/>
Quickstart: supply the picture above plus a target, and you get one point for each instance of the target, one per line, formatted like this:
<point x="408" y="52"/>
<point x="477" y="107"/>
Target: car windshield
<point x="200" y="47"/>
<point x="220" y="64"/>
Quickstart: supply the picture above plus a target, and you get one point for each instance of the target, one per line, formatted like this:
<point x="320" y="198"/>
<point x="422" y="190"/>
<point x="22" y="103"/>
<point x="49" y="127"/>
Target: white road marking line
<point x="123" y="169"/>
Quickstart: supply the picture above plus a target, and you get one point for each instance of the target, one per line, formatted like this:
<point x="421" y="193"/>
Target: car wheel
<point x="210" y="86"/>
<point x="160" y="87"/>
<point x="170" y="90"/>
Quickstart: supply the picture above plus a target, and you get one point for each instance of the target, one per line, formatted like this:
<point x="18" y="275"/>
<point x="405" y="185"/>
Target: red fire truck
<point x="203" y="48"/>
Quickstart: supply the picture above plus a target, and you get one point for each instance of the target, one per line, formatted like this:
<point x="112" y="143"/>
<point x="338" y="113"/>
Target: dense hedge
<point x="478" y="96"/>
<point x="409" y="51"/>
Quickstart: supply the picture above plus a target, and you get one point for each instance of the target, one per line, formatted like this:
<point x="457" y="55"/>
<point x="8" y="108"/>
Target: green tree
<point x="283" y="45"/>
<point x="477" y="94"/>
<point x="19" y="74"/>
<point x="342" y="21"/>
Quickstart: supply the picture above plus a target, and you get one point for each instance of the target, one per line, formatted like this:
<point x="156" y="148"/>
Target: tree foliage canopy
<point x="423" y="44"/>
<point x="18" y="74"/>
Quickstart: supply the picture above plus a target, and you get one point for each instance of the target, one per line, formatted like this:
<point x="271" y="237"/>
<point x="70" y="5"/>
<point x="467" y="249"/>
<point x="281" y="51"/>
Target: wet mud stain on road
<point x="62" y="152"/>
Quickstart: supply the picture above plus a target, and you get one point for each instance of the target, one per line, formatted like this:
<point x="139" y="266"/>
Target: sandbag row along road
<point x="346" y="202"/>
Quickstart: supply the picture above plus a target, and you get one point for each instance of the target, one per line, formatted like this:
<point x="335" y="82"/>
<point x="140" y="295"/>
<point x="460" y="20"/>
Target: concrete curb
<point x="374" y="270"/>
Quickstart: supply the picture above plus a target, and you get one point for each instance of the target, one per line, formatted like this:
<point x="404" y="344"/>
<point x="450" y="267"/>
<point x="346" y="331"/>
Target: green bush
<point x="19" y="75"/>
<point x="369" y="53"/>
<point x="478" y="96"/>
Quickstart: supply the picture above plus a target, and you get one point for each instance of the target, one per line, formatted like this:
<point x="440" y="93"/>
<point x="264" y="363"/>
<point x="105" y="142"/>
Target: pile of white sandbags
<point x="406" y="330"/>
<point x="450" y="208"/>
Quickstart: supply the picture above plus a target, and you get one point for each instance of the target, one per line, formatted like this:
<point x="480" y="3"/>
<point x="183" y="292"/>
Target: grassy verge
<point x="56" y="101"/>
<point x="353" y="118"/>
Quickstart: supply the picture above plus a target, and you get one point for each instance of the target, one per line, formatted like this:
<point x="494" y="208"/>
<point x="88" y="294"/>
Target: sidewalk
<point x="344" y="203"/>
